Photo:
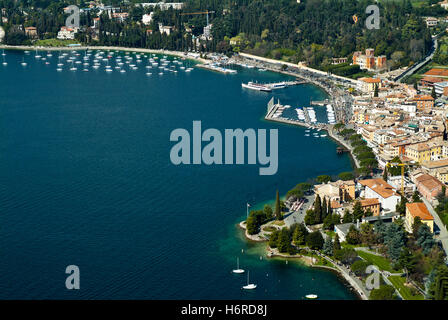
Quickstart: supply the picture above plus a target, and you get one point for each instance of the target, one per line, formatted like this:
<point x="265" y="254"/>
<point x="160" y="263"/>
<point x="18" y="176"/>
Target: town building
<point x="31" y="32"/>
<point x="368" y="61"/>
<point x="424" y="103"/>
<point x="368" y="85"/>
<point x="418" y="209"/>
<point x="371" y="204"/>
<point x="381" y="190"/>
<point x="67" y="33"/>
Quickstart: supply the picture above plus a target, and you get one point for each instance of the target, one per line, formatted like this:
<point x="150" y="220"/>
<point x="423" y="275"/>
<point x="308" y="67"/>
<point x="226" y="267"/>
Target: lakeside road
<point x="443" y="236"/>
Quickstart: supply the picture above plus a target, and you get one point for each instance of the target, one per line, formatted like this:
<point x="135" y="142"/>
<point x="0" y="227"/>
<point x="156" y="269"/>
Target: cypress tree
<point x="318" y="209"/>
<point x="433" y="92"/>
<point x="337" y="243"/>
<point x="278" y="213"/>
<point x="324" y="208"/>
<point x="385" y="174"/>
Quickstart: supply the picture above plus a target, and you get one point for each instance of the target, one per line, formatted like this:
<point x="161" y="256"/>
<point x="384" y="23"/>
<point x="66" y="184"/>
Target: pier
<point x="320" y="103"/>
<point x="273" y="107"/>
<point x="344" y="146"/>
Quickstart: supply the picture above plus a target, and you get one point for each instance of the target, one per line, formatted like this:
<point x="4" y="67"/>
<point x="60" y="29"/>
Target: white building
<point x="165" y="29"/>
<point x="381" y="190"/>
<point x="164" y="5"/>
<point x="431" y="22"/>
<point x="67" y="33"/>
<point x="2" y="34"/>
<point x="147" y="18"/>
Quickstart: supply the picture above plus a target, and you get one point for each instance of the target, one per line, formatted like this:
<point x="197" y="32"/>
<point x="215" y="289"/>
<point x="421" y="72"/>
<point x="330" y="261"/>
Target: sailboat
<point x="3" y="52"/>
<point x="238" y="270"/>
<point x="311" y="296"/>
<point x="73" y="68"/>
<point x="4" y="62"/>
<point x="23" y="62"/>
<point x="249" y="286"/>
<point x="37" y="56"/>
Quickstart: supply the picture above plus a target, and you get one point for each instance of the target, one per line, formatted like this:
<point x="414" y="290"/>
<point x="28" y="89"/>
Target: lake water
<point x="86" y="180"/>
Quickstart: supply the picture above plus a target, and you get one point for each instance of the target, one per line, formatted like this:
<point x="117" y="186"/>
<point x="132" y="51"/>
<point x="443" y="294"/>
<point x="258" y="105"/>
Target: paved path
<point x="357" y="284"/>
<point x="443" y="236"/>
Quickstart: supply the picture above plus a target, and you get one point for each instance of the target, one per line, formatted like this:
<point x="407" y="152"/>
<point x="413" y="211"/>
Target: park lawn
<point x="351" y="246"/>
<point x="54" y="42"/>
<point x="379" y="261"/>
<point x="406" y="293"/>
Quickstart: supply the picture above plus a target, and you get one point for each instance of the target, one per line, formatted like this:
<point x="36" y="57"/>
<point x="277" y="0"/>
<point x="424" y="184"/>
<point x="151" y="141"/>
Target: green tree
<point x="348" y="217"/>
<point x="278" y="212"/>
<point x="310" y="218"/>
<point x="384" y="292"/>
<point x="401" y="206"/>
<point x="433" y="93"/>
<point x="416" y="197"/>
<point x="358" y="212"/>
<point x="425" y="239"/>
<point x="407" y="262"/>
<point x="375" y="93"/>
<point x="323" y="178"/>
<point x="324" y="209"/>
<point x="328" y="247"/>
<point x="359" y="267"/>
<point x="346" y="176"/>
<point x="317" y="210"/>
<point x="368" y="236"/>
<point x="273" y="239"/>
<point x="268" y="211"/>
<point x="385" y="174"/>
<point x="283" y="242"/>
<point x="337" y="243"/>
<point x="395" y="240"/>
<point x="415" y="226"/>
<point x="353" y="236"/>
<point x="315" y="240"/>
<point x="346" y="255"/>
<point x="300" y="234"/>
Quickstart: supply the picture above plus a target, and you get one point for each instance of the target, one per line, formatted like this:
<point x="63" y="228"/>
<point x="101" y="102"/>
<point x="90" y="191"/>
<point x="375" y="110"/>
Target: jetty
<point x="320" y="103"/>
<point x="273" y="107"/>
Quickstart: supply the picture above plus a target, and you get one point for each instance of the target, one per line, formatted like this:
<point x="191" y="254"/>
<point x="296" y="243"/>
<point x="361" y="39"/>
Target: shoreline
<point x="113" y="48"/>
<point x="307" y="261"/>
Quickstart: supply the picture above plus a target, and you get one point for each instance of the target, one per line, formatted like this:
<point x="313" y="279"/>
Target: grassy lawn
<point x="398" y="283"/>
<point x="379" y="261"/>
<point x="351" y="246"/>
<point x="54" y="42"/>
<point x="279" y="223"/>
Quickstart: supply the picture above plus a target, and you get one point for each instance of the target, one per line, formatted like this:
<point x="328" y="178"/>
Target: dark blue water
<point x="86" y="179"/>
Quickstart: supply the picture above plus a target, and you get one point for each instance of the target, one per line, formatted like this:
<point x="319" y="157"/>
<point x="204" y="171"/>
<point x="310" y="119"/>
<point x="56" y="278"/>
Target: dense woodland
<point x="313" y="31"/>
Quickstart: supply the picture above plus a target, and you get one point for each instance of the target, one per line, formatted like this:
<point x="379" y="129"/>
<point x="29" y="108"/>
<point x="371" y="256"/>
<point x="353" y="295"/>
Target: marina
<point x="108" y="60"/>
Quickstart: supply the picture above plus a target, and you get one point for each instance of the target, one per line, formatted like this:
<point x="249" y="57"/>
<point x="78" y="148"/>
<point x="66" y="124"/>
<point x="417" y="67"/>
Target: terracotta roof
<point x="370" y="202"/>
<point x="423" y="98"/>
<point x="335" y="205"/>
<point x="419" y="209"/>
<point x="437" y="72"/>
<point x="428" y="181"/>
<point x="432" y="79"/>
<point x="379" y="186"/>
<point x="371" y="80"/>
